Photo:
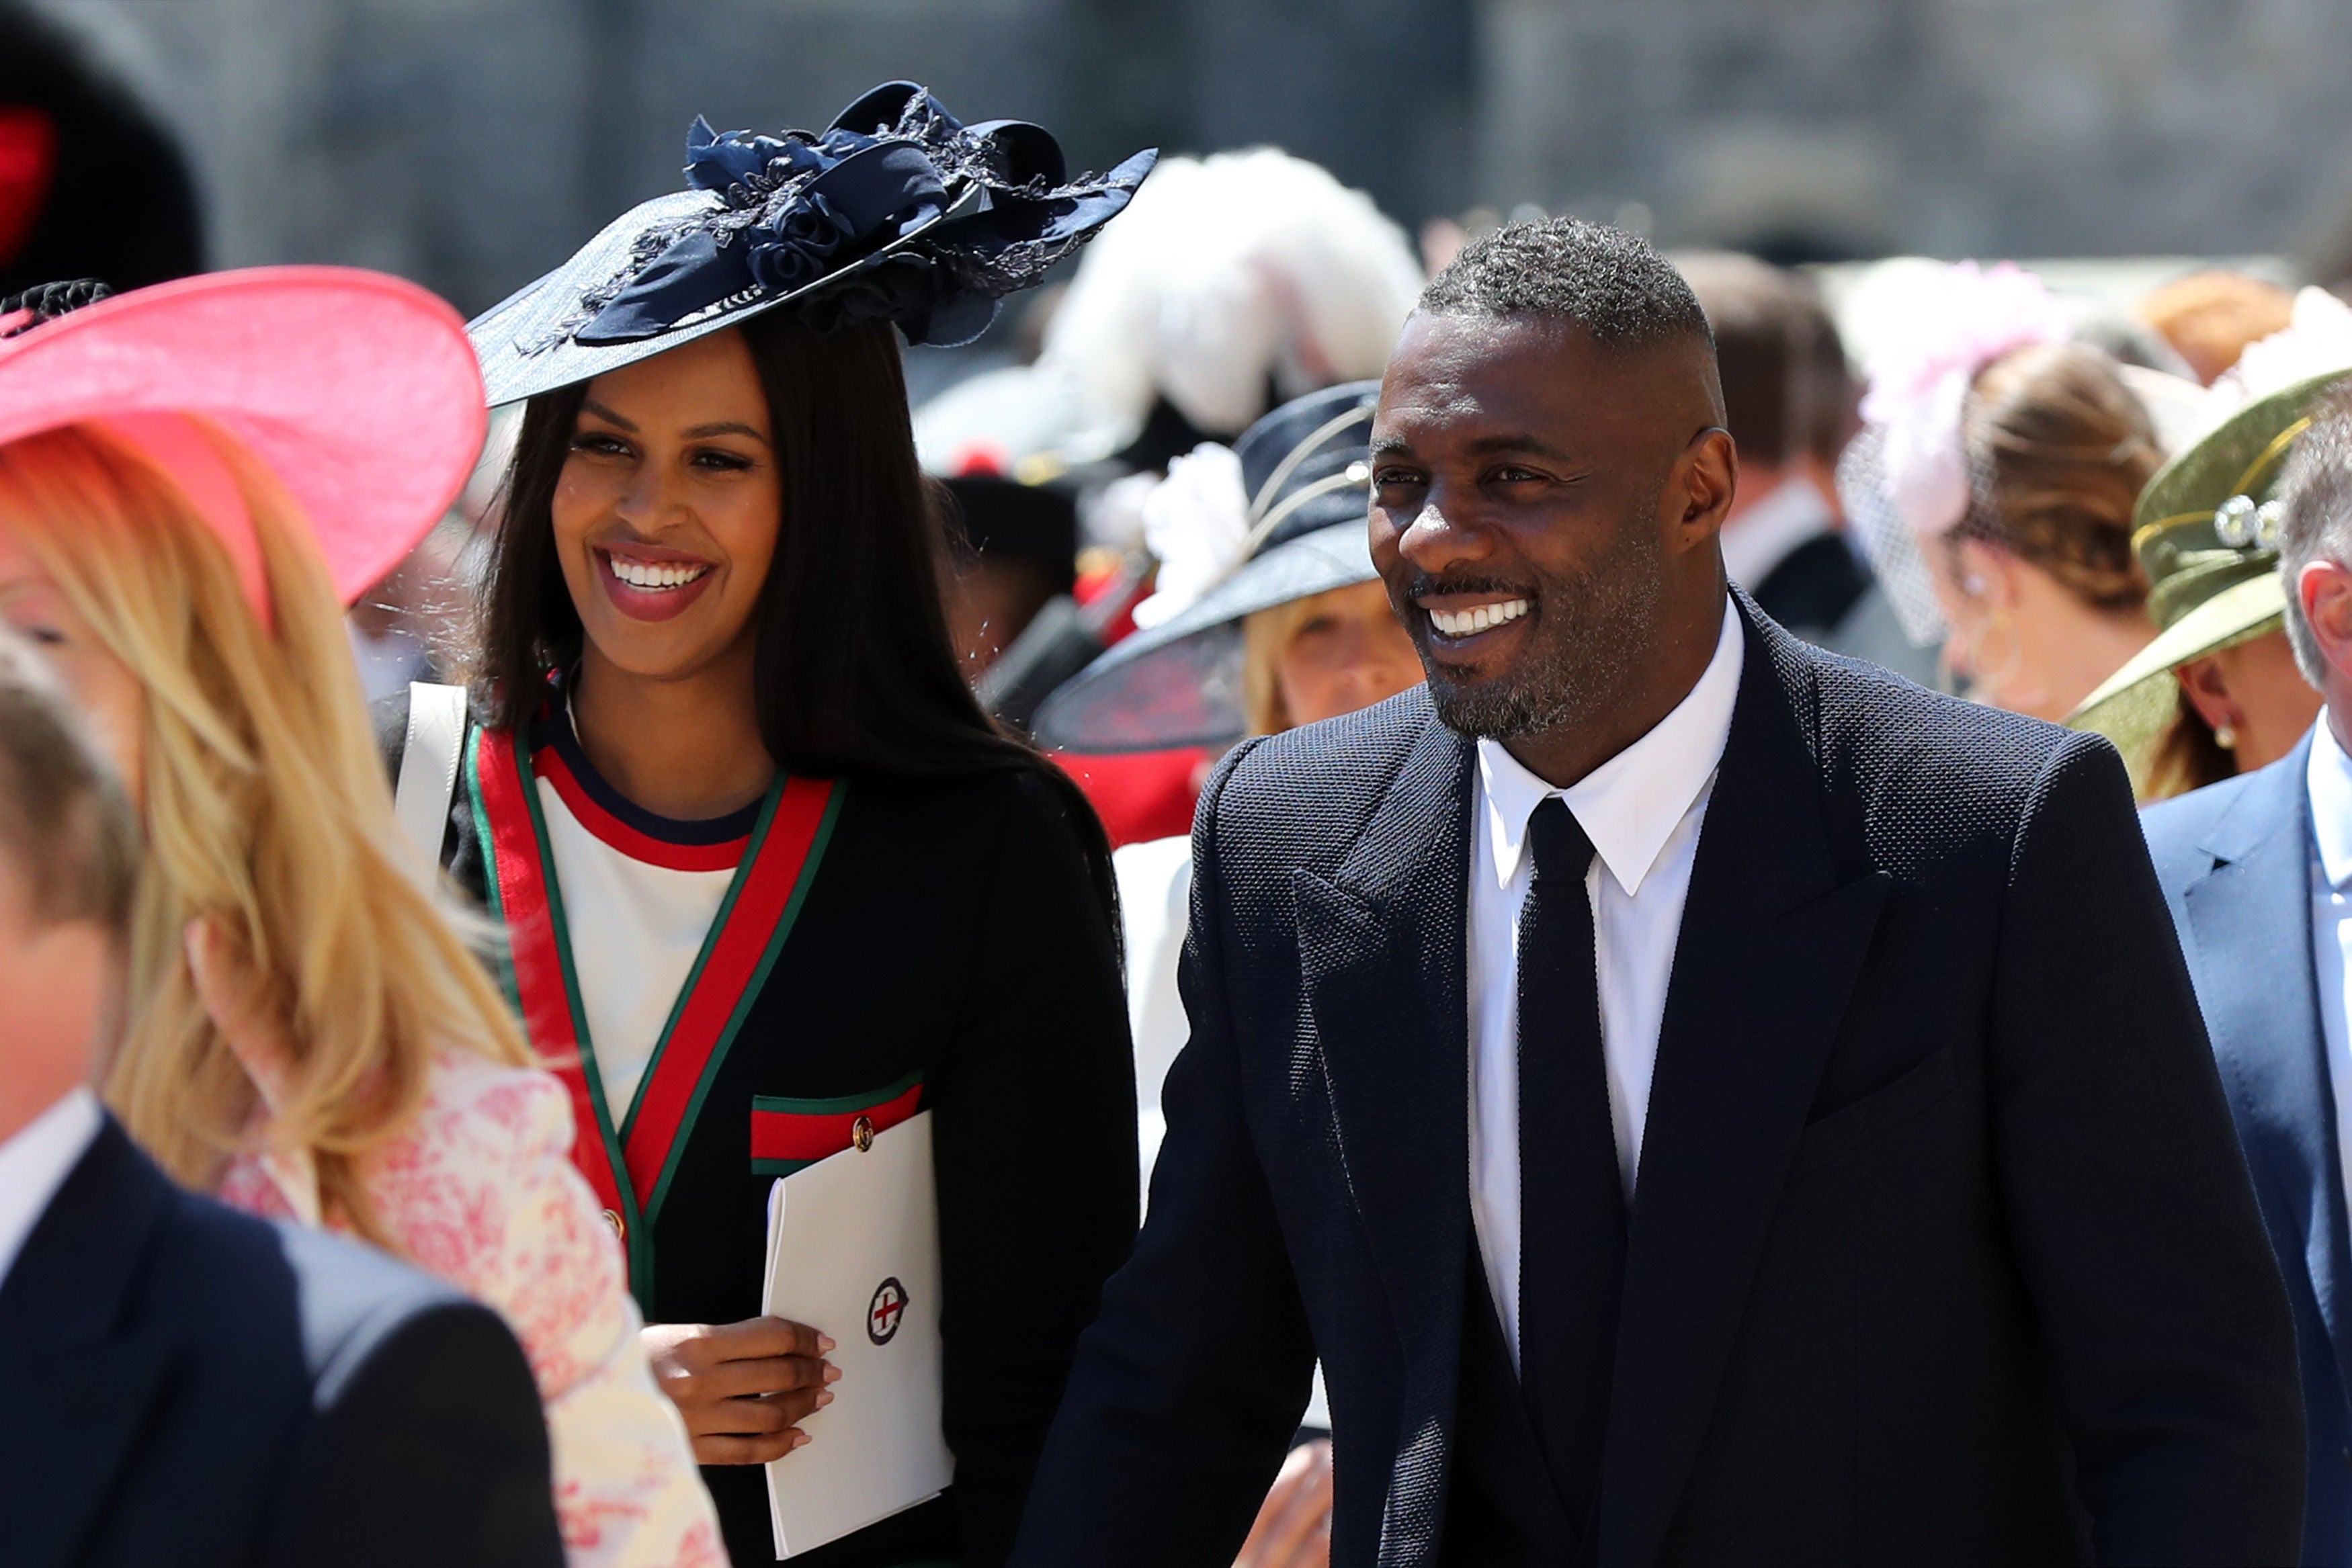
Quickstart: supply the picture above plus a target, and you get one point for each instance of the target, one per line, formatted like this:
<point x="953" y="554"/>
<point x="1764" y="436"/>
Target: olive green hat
<point x="2206" y="532"/>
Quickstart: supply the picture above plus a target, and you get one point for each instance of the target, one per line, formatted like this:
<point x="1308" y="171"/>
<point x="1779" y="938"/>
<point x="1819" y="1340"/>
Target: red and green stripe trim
<point x="761" y="908"/>
<point x="630" y="1166"/>
<point x="549" y="765"/>
<point x="539" y="975"/>
<point x="788" y="1134"/>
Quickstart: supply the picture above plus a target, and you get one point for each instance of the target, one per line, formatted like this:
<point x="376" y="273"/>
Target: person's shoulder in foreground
<point x="187" y="1384"/>
<point x="180" y="1382"/>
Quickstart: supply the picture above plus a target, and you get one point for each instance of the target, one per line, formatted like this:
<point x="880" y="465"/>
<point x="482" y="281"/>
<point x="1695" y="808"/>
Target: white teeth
<point x="1470" y="622"/>
<point x="652" y="578"/>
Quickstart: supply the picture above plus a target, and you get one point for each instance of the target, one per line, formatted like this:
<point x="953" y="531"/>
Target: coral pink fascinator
<point x="358" y="391"/>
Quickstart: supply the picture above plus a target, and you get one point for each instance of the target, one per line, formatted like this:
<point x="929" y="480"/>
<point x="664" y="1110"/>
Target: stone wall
<point x="1953" y="127"/>
<point x="469" y="143"/>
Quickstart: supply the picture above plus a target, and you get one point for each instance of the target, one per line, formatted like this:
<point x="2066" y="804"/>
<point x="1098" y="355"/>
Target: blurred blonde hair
<point x="1267" y="636"/>
<point x="267" y="812"/>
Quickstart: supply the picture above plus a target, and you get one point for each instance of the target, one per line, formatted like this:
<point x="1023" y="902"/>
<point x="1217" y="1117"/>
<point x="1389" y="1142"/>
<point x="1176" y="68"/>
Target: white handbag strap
<point x="428" y="768"/>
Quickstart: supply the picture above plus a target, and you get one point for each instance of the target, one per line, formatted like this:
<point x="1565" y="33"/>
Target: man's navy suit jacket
<point x="181" y="1384"/>
<point x="1942" y="1249"/>
<point x="2235" y="862"/>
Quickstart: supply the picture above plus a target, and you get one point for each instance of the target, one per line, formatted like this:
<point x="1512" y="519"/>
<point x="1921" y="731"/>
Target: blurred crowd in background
<point x="1149" y="520"/>
<point x="1975" y="291"/>
<point x="1110" y="456"/>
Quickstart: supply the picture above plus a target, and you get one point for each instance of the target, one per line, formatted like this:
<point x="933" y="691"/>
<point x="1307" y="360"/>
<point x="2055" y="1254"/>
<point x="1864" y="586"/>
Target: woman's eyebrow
<point x="725" y="427"/>
<point x="607" y="415"/>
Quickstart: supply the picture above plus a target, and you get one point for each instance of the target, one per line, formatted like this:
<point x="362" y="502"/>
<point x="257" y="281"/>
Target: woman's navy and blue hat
<point x="897" y="211"/>
<point x="1305" y="468"/>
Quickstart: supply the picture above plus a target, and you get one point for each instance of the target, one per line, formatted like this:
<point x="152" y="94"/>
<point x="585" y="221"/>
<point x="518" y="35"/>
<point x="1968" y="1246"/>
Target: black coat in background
<point x="1942" y="1249"/>
<point x="182" y="1383"/>
<point x="1815" y="586"/>
<point x="950" y="930"/>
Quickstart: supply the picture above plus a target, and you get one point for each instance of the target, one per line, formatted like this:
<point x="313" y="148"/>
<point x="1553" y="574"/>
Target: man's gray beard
<point x="1595" y="634"/>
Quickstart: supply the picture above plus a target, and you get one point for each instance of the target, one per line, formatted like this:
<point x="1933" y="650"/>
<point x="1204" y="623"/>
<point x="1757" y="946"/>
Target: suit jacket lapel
<point x="1772" y="940"/>
<point x="74" y="1392"/>
<point x="2265" y="1023"/>
<point x="1381" y="963"/>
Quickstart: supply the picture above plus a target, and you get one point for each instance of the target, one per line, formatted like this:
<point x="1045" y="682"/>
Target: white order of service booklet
<point x="853" y="1252"/>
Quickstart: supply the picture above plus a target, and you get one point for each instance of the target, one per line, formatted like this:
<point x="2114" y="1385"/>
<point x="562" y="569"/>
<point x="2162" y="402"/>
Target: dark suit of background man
<point x="2259" y="872"/>
<point x="1789" y="402"/>
<point x="181" y="1384"/>
<point x="1922" y="1235"/>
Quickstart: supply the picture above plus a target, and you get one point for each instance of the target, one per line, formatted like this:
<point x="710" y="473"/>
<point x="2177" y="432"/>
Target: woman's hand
<point x="1294" y="1526"/>
<point x="743" y="1387"/>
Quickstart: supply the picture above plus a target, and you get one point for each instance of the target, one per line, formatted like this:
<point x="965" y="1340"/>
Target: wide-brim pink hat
<point x="358" y="391"/>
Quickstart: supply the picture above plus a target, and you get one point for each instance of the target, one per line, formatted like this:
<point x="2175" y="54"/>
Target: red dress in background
<point x="1140" y="795"/>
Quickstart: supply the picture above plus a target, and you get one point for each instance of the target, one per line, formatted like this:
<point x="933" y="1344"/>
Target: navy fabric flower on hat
<point x="897" y="211"/>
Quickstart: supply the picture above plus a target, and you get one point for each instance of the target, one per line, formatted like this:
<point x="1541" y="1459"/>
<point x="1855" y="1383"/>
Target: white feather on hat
<point x="1196" y="524"/>
<point x="1225" y="274"/>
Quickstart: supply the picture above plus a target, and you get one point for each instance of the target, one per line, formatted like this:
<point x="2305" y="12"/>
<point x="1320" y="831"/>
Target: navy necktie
<point x="1572" y="1204"/>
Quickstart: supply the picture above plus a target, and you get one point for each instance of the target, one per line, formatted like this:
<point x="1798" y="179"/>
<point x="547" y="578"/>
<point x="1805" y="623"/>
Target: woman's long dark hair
<point x="855" y="672"/>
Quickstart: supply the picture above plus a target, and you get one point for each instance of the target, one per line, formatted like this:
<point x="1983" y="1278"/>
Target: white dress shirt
<point x="35" y="1162"/>
<point x="2328" y="776"/>
<point x="636" y="929"/>
<point x="1155" y="900"/>
<point x="1642" y="809"/>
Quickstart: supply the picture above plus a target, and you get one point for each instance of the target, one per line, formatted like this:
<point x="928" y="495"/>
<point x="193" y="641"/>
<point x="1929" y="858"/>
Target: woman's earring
<point x="2225" y="736"/>
<point x="1999" y="629"/>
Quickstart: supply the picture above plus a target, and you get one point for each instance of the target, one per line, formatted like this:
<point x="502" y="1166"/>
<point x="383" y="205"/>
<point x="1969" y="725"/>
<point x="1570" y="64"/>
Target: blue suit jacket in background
<point x="2235" y="862"/>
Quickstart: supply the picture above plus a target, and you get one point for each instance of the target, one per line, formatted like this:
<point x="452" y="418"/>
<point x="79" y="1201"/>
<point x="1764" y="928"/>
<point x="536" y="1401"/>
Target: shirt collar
<point x="1629" y="805"/>
<point x="35" y="1162"/>
<point x="2328" y="775"/>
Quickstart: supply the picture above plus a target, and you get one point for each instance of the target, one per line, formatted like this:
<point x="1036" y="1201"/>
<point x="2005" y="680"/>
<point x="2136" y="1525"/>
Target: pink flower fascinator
<point x="1904" y="479"/>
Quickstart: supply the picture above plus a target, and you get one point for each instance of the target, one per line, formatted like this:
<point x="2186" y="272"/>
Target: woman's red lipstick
<point x="649" y="582"/>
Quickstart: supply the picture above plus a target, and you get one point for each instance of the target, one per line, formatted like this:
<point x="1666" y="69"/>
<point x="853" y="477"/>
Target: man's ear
<point x="2325" y="590"/>
<point x="1706" y="478"/>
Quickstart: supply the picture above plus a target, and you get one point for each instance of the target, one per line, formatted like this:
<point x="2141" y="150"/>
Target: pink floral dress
<point x="481" y="1191"/>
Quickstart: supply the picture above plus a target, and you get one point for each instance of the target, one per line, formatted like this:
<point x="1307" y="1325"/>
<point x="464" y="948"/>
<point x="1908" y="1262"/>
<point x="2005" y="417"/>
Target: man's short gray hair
<point x="2316" y="493"/>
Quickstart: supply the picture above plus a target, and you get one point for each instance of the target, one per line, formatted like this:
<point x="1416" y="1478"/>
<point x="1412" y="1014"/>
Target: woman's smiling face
<point x="668" y="507"/>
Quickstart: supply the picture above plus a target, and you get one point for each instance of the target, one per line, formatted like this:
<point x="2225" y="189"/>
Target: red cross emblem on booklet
<point x="888" y="1308"/>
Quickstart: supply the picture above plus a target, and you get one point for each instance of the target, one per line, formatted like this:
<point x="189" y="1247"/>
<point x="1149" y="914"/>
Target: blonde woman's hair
<point x="267" y="812"/>
<point x="1267" y="636"/>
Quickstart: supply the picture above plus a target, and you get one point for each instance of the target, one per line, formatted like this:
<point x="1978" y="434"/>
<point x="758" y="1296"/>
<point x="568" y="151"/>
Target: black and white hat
<point x="1304" y="476"/>
<point x="897" y="211"/>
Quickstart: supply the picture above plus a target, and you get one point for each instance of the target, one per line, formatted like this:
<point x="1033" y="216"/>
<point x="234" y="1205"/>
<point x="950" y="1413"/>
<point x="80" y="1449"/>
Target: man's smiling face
<point x="1519" y="515"/>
